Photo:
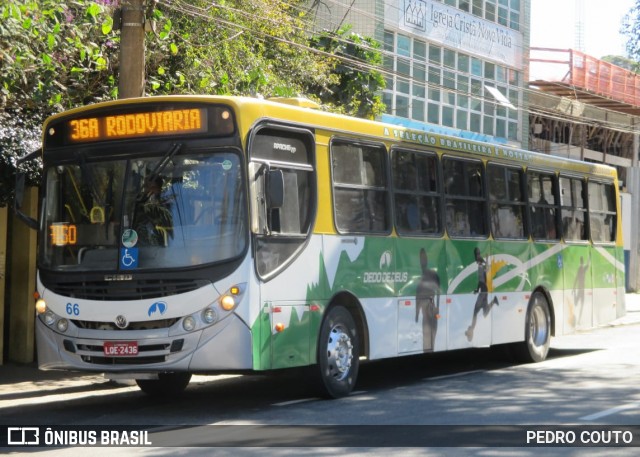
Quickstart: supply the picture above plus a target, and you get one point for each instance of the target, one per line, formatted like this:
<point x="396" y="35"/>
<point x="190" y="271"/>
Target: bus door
<point x="282" y="182"/>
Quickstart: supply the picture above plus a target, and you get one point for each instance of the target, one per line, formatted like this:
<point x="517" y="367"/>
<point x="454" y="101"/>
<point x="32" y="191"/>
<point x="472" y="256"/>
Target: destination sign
<point x="143" y="124"/>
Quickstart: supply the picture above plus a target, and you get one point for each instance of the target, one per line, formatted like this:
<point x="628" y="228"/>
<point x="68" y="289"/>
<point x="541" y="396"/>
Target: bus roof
<point x="304" y="112"/>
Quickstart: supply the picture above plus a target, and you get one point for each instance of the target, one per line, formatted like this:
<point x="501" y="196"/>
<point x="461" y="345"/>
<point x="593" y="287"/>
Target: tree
<point x="622" y="62"/>
<point x="359" y="83"/>
<point x="631" y="29"/>
<point x="246" y="47"/>
<point x="56" y="55"/>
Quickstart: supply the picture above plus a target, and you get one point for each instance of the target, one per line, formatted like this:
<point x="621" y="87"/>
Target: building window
<point x="431" y="83"/>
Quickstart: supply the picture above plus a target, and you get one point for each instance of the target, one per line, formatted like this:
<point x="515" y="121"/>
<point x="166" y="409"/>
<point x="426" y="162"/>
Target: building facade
<point x="451" y="66"/>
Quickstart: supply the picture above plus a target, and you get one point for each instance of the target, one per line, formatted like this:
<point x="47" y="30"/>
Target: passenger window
<point x="465" y="198"/>
<point x="506" y="202"/>
<point x="416" y="193"/>
<point x="574" y="211"/>
<point x="602" y="212"/>
<point x="542" y="191"/>
<point x="360" y="189"/>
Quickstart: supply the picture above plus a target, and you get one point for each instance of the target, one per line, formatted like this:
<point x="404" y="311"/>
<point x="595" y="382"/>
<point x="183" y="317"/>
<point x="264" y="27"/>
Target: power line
<point x="357" y="64"/>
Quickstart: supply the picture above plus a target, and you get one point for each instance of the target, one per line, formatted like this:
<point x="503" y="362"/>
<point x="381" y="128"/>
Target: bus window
<point x="542" y="191"/>
<point x="506" y="201"/>
<point x="416" y="193"/>
<point x="602" y="212"/>
<point x="360" y="187"/>
<point x="465" y="198"/>
<point x="574" y="211"/>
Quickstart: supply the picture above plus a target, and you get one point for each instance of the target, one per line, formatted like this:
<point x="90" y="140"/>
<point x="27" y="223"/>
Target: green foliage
<point x="54" y="55"/>
<point x="359" y="85"/>
<point x="631" y="29"/>
<point x="245" y="47"/>
<point x="622" y="62"/>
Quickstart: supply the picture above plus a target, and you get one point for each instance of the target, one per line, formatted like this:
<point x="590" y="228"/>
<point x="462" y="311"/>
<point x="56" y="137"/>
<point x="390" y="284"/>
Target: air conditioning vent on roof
<point x="296" y="101"/>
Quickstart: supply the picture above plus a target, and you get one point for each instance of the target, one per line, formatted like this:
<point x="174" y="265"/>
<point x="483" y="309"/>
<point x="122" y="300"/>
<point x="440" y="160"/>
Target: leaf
<point x="51" y="41"/>
<point x="107" y="25"/>
<point x="93" y="10"/>
<point x="101" y="63"/>
<point x="174" y="48"/>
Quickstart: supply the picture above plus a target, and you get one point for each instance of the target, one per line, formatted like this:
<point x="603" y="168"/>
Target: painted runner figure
<point x="428" y="302"/>
<point x="482" y="302"/>
<point x="578" y="290"/>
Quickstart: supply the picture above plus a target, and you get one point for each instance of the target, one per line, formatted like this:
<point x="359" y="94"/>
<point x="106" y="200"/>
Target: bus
<point x="184" y="235"/>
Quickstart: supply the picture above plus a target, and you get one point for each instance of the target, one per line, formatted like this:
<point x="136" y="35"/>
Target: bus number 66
<point x="73" y="310"/>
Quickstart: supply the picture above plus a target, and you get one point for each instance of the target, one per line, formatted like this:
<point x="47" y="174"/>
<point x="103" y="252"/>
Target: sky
<point x="553" y="25"/>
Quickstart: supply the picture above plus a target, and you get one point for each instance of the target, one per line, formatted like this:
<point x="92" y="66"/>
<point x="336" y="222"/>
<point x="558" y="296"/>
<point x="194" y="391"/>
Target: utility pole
<point x="131" y="78"/>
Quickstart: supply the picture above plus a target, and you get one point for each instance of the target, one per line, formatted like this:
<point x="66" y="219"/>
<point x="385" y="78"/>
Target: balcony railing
<point x="584" y="72"/>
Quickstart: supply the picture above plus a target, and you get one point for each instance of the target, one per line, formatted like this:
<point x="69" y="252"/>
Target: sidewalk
<point x="16" y="377"/>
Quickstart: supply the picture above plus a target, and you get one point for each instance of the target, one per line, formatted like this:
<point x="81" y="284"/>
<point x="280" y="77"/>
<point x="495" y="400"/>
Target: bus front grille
<point x="140" y="289"/>
<point x="142" y="325"/>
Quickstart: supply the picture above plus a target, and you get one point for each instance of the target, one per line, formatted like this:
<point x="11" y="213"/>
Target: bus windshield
<point x="168" y="211"/>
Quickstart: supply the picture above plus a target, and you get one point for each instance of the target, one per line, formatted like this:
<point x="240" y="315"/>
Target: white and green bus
<point x="182" y="235"/>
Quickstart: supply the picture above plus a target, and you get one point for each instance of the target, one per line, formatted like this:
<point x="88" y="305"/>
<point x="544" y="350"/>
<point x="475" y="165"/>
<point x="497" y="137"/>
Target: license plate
<point x="120" y="348"/>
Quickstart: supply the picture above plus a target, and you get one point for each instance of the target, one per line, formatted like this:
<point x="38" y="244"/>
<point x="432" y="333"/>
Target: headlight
<point x="232" y="297"/>
<point x="41" y="306"/>
<point x="189" y="323"/>
<point x="62" y="325"/>
<point x="49" y="317"/>
<point x="209" y="315"/>
<point x="227" y="302"/>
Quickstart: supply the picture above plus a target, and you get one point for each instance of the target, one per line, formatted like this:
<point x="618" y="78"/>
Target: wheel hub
<point x="339" y="353"/>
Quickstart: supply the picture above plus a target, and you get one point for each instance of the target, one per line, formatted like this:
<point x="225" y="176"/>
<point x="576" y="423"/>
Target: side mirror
<point x="275" y="189"/>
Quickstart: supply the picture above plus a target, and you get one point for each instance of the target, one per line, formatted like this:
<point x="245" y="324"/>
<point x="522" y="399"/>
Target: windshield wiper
<point x="164" y="161"/>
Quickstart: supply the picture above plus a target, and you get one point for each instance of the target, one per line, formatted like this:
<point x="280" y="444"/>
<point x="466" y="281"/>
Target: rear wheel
<point x="537" y="331"/>
<point x="166" y="384"/>
<point x="338" y="352"/>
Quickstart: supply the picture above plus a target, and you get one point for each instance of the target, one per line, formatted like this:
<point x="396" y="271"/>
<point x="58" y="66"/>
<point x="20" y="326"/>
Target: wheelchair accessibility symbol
<point x="128" y="258"/>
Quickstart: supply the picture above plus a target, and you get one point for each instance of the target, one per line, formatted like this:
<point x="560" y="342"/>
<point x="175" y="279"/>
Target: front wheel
<point x="537" y="331"/>
<point x="338" y="353"/>
<point x="166" y="384"/>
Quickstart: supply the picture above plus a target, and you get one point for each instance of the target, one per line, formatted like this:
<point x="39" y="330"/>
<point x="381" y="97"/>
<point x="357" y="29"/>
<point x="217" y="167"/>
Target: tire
<point x="338" y="354"/>
<point x="537" y="332"/>
<point x="166" y="384"/>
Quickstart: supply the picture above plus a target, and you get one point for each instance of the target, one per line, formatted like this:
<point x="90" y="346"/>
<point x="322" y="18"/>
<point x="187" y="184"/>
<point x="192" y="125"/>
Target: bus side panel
<point x="621" y="309"/>
<point x="605" y="293"/>
<point x="578" y="287"/>
<point x="365" y="268"/>
<point x="469" y="325"/>
<point x="546" y="265"/>
<point x="422" y="308"/>
<point x="509" y="286"/>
